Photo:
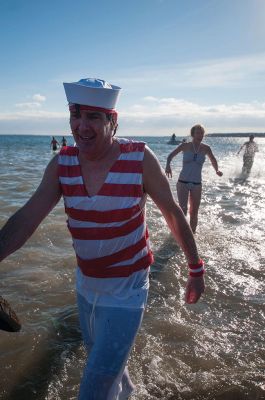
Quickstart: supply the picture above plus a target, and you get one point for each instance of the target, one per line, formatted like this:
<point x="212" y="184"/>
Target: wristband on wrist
<point x="196" y="270"/>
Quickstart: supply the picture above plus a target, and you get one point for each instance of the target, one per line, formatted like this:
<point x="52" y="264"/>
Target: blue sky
<point x="179" y="62"/>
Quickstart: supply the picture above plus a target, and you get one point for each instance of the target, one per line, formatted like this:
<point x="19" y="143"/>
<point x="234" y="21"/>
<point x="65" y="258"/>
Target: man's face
<point x="91" y="130"/>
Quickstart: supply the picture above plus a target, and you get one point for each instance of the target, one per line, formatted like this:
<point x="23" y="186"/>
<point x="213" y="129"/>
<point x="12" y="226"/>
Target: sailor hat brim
<point x="90" y="93"/>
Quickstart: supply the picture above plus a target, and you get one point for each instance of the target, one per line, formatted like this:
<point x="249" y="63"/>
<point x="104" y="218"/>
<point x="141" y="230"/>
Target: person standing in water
<point x="64" y="142"/>
<point x="105" y="182"/>
<point x="251" y="148"/>
<point x="54" y="144"/>
<point x="189" y="185"/>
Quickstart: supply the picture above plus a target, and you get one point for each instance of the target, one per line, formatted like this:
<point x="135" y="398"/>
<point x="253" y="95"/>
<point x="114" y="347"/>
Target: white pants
<point x="109" y="334"/>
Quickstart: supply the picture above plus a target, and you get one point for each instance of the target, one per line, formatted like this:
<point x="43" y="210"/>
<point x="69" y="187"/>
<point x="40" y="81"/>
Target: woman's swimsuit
<point x="191" y="173"/>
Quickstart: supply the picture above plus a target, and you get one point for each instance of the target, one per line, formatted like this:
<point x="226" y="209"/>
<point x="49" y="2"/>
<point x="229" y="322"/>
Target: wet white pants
<point x="109" y="334"/>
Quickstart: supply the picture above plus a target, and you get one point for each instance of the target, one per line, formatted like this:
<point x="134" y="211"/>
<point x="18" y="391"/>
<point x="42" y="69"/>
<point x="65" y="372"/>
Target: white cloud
<point x="33" y="114"/>
<point x="30" y="105"/>
<point x="156" y="110"/>
<point x="173" y="107"/>
<point x="243" y="71"/>
<point x="150" y="98"/>
<point x="160" y="116"/>
<point x="39" y="98"/>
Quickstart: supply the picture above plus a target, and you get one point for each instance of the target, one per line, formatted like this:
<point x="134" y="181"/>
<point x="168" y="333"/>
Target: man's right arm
<point x="241" y="148"/>
<point x="25" y="221"/>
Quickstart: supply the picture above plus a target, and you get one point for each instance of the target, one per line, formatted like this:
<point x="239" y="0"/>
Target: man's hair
<point x="113" y="120"/>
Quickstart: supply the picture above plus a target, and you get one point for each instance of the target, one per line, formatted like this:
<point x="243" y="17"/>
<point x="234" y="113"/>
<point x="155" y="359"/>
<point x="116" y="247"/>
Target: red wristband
<point x="196" y="270"/>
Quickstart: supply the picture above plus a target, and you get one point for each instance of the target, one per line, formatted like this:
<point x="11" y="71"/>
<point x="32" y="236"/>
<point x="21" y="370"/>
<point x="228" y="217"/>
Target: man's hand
<point x="194" y="289"/>
<point x="8" y="319"/>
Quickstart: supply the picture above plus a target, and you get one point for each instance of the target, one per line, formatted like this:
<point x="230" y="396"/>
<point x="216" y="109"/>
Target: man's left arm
<point x="157" y="187"/>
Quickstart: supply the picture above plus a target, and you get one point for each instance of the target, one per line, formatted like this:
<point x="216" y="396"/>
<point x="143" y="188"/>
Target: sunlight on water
<point x="213" y="350"/>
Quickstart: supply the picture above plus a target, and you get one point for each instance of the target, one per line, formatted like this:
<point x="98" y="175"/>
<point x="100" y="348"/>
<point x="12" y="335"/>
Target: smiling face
<point x="92" y="131"/>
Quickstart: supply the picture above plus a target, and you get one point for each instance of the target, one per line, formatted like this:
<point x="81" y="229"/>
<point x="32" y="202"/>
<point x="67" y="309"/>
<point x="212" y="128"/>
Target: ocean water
<point x="213" y="350"/>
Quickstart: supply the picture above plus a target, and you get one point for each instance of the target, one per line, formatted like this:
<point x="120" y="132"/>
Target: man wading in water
<point x="104" y="182"/>
<point x="248" y="157"/>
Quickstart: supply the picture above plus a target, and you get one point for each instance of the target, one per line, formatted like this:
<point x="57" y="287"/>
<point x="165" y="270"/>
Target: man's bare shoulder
<point x="151" y="164"/>
<point x="52" y="166"/>
<point x="149" y="156"/>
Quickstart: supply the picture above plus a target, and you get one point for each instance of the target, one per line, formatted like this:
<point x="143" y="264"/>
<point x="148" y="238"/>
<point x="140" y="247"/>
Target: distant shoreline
<point x="236" y="134"/>
<point x="243" y="134"/>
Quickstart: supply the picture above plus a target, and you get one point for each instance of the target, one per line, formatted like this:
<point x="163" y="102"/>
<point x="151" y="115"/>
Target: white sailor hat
<point x="92" y="92"/>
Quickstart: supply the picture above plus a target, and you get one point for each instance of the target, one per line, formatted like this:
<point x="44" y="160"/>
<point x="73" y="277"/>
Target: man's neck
<point x="110" y="151"/>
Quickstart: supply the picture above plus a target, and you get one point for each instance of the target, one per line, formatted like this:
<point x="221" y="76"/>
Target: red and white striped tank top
<point x="109" y="232"/>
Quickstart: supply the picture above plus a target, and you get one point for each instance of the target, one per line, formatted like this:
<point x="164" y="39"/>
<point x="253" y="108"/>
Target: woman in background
<point x="189" y="185"/>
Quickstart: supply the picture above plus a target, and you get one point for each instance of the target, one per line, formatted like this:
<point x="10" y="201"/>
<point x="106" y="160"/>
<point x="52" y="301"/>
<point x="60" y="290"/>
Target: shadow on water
<point x="65" y="336"/>
<point x="168" y="249"/>
<point x="241" y="180"/>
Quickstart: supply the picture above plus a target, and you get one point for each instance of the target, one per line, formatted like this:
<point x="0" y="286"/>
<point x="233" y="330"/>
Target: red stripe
<point x="127" y="166"/>
<point x="125" y="148"/>
<point x="69" y="151"/>
<point x="106" y="261"/>
<point x="199" y="264"/>
<point x="73" y="190"/>
<point x="123" y="166"/>
<point x="121" y="271"/>
<point x="121" y="190"/>
<point x="196" y="274"/>
<point x="102" y="216"/>
<point x="132" y="146"/>
<point x="69" y="170"/>
<point x="107" y="233"/>
<point x="83" y="107"/>
<point x="108" y="189"/>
